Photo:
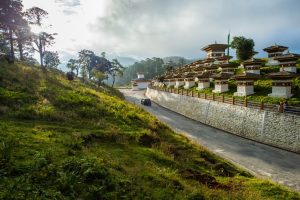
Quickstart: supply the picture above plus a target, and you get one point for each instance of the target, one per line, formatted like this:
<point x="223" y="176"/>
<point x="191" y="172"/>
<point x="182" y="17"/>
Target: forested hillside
<point x="151" y="67"/>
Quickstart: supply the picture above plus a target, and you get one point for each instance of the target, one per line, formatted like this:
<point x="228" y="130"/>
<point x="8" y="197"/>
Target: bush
<point x="70" y="76"/>
<point x="98" y="180"/>
<point x="15" y="98"/>
<point x="269" y="69"/>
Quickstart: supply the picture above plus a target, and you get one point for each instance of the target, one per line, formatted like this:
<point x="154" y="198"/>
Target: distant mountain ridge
<point x="176" y="59"/>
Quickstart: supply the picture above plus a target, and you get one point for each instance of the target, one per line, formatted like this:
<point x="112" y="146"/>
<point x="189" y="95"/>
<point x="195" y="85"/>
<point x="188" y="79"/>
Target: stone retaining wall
<point x="271" y="128"/>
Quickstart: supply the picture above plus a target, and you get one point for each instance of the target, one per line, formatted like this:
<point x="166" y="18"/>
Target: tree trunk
<point x="12" y="53"/>
<point x="89" y="74"/>
<point x="20" y="46"/>
<point x="41" y="51"/>
<point x="114" y="78"/>
<point x="41" y="59"/>
<point x="77" y="71"/>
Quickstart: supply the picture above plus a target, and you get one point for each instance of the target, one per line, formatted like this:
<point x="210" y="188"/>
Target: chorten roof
<point x="208" y="60"/>
<point x="228" y="65"/>
<point x="246" y="76"/>
<point x="282" y="75"/>
<point x="218" y="47"/>
<point x="275" y="48"/>
<point x="211" y="66"/>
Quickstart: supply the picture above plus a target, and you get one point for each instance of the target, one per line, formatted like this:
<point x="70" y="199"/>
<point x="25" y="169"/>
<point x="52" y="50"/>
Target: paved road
<point x="262" y="160"/>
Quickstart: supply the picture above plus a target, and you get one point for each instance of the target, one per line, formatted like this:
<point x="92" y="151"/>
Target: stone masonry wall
<point x="271" y="128"/>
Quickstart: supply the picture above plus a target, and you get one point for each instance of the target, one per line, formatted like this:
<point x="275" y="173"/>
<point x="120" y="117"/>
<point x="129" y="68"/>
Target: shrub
<point x="26" y="112"/>
<point x="70" y="76"/>
<point x="269" y="69"/>
<point x="98" y="180"/>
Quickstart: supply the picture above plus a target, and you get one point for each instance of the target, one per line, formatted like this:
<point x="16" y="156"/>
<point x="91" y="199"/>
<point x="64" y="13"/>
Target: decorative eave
<point x="228" y="65"/>
<point x="177" y="76"/>
<point x="170" y="79"/>
<point x="211" y="66"/>
<point x="222" y="76"/>
<point x="223" y="58"/>
<point x="246" y="76"/>
<point x="204" y="75"/>
<point x="287" y="57"/>
<point x="275" y="48"/>
<point x="189" y="75"/>
<point x="253" y="61"/>
<point x="186" y="70"/>
<point x="208" y="60"/>
<point x="199" y="69"/>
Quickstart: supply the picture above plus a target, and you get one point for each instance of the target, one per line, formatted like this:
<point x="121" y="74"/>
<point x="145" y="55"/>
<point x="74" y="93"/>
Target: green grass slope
<point x="64" y="139"/>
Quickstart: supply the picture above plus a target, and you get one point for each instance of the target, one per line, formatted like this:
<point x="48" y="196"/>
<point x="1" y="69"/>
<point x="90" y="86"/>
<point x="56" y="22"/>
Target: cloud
<point x="147" y="28"/>
<point x="176" y="27"/>
<point x="68" y="3"/>
<point x="69" y="7"/>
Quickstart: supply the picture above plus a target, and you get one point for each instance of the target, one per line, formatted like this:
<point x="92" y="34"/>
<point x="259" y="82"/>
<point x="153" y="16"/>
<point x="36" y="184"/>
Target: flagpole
<point x="228" y="42"/>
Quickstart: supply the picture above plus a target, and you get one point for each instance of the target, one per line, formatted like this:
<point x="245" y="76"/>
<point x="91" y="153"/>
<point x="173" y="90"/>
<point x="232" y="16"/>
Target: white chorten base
<point x="289" y="69"/>
<point x="256" y="71"/>
<point x="281" y="92"/>
<point x="244" y="90"/>
<point x="189" y="84"/>
<point x="203" y="85"/>
<point x="272" y="62"/>
<point x="170" y="84"/>
<point x="220" y="88"/>
<point x="178" y="84"/>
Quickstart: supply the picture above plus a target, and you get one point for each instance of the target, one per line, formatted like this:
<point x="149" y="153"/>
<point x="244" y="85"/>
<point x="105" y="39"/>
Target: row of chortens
<point x="217" y="66"/>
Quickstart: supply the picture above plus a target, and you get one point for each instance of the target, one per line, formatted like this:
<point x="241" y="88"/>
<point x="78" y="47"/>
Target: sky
<point x="159" y="28"/>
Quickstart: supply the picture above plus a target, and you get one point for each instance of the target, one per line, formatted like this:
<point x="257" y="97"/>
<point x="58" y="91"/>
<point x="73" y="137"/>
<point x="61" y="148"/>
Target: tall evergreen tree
<point x="42" y="39"/>
<point x="116" y="70"/>
<point x="10" y="20"/>
<point x="72" y="64"/>
<point x="244" y="47"/>
<point x="51" y="59"/>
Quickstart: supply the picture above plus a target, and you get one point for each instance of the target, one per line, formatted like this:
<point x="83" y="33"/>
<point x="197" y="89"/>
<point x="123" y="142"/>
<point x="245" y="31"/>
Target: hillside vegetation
<point x="64" y="139"/>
